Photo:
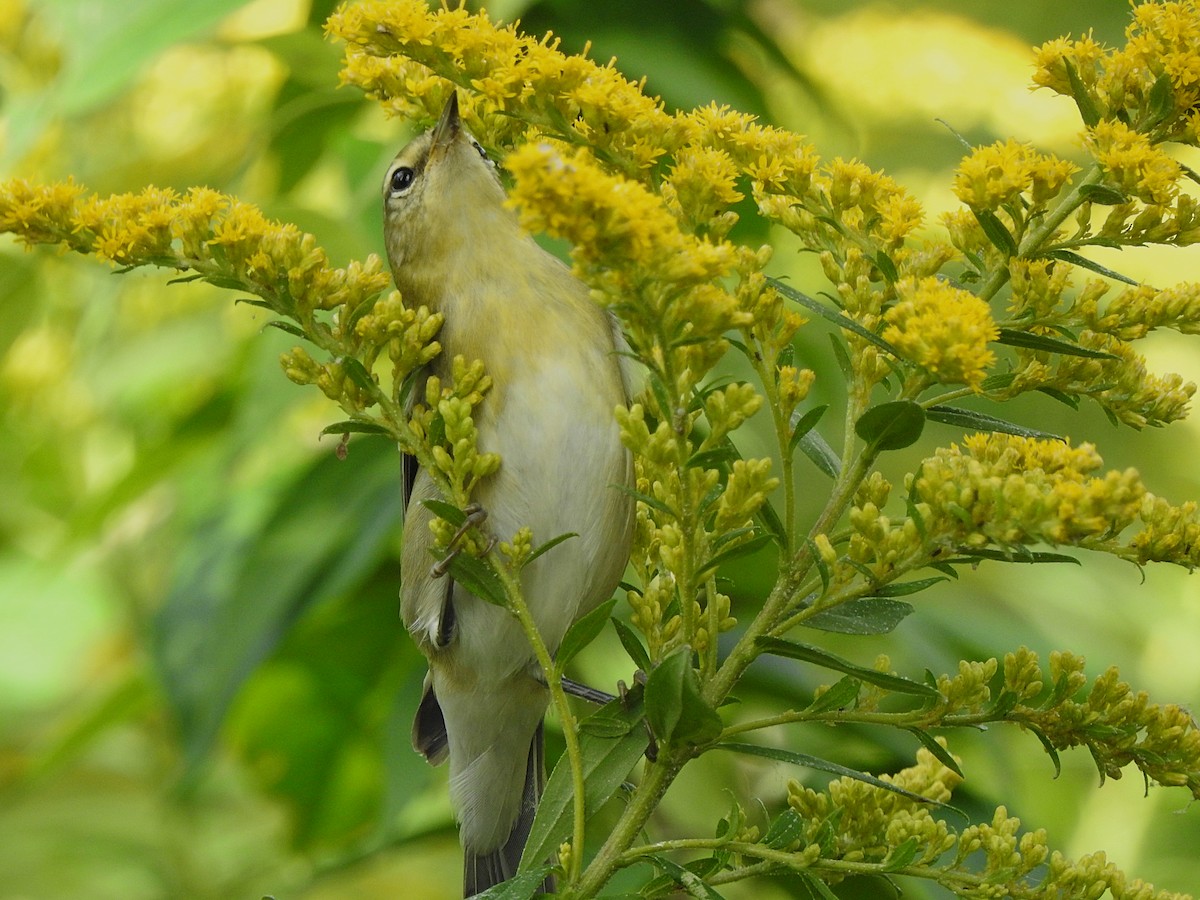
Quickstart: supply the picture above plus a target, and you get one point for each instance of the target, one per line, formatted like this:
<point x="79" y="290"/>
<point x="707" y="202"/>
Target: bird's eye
<point x="479" y="147"/>
<point x="402" y="179"/>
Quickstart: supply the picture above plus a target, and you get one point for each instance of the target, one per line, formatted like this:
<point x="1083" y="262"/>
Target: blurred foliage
<point x="204" y="688"/>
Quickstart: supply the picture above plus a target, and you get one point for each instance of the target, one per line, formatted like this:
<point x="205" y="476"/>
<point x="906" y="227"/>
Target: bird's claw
<point x="476" y="515"/>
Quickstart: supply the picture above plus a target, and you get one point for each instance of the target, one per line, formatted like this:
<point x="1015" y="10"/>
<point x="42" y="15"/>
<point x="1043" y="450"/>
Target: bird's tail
<point x="483" y="870"/>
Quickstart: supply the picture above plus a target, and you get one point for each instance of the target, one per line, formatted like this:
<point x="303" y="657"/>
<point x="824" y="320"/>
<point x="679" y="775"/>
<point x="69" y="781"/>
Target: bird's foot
<point x="476" y="515"/>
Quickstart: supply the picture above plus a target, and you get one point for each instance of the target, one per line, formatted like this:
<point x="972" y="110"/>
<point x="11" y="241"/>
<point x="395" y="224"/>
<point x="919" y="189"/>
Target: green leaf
<point x="1077" y="260"/>
<point x="841" y="357"/>
<point x="1037" y="556"/>
<point x="352" y="427"/>
<point x="817" y="449"/>
<point x="447" y="511"/>
<point x="778" y="754"/>
<point x="1000" y="236"/>
<point x="713" y="458"/>
<point x="977" y="421"/>
<point x="1050" y="749"/>
<point x="520" y="887"/>
<point x="652" y="502"/>
<point x="787" y="828"/>
<point x="1013" y="338"/>
<point x="803" y="424"/>
<point x="666" y="409"/>
<point x="819" y="657"/>
<point x="1162" y="99"/>
<point x="940" y="753"/>
<point x="478" y="578"/>
<point x="607" y="761"/>
<point x="831" y="315"/>
<point x="865" y="615"/>
<point x="745" y="548"/>
<point x="886" y="267"/>
<point x="1104" y="194"/>
<point x="817" y="889"/>
<point x="1061" y="397"/>
<point x="1083" y="100"/>
<point x="904" y="588"/>
<point x="633" y="645"/>
<point x="675" y="707"/>
<point x="691" y="884"/>
<point x="891" y="426"/>
<point x="583" y="632"/>
<point x="901" y="856"/>
<point x="357" y="373"/>
<point x="290" y="327"/>
<point x="842" y="694"/>
<point x="550" y="545"/>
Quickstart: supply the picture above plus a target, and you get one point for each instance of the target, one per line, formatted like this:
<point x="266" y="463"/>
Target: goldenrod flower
<point x="943" y="329"/>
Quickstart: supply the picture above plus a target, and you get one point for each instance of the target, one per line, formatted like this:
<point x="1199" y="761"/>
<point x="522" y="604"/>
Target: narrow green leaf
<point x="478" y="578"/>
<point x="1000" y="236"/>
<point x="1061" y="397"/>
<point x="842" y="357"/>
<point x="817" y="449"/>
<point x="1083" y="100"/>
<point x="1038" y="556"/>
<point x="745" y="548"/>
<point x="1076" y="259"/>
<point x="866" y="615"/>
<point x="185" y="279"/>
<point x="1050" y="749"/>
<point x="249" y="301"/>
<point x="524" y="886"/>
<point x="819" y="657"/>
<point x="891" y="426"/>
<point x="977" y="421"/>
<point x="550" y="545"/>
<point x="886" y="267"/>
<point x="1162" y="99"/>
<point x="901" y="856"/>
<point x="447" y="511"/>
<point x="675" y="707"/>
<point x="817" y="889"/>
<point x="691" y="884"/>
<point x="607" y="761"/>
<point x="652" y="502"/>
<point x="904" y="588"/>
<point x="842" y="694"/>
<point x="787" y="828"/>
<point x="940" y="753"/>
<point x="357" y="373"/>
<point x="803" y="424"/>
<point x="583" y="632"/>
<point x="713" y="458"/>
<point x="290" y="327"/>
<point x="666" y="409"/>
<point x="1104" y="194"/>
<point x="831" y="315"/>
<point x="778" y="754"/>
<point x="1014" y="338"/>
<point x="351" y="427"/>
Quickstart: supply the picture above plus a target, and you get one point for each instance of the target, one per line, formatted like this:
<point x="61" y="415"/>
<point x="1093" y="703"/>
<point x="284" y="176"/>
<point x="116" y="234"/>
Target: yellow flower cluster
<point x="1120" y="382"/>
<point x="992" y="176"/>
<point x="1136" y="311"/>
<point x="1133" y="163"/>
<point x="1153" y="82"/>
<point x="942" y="329"/>
<point x="1170" y="533"/>
<point x="1011" y="491"/>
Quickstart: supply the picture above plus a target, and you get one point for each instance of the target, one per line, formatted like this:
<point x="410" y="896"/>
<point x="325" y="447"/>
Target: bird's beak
<point x="448" y="125"/>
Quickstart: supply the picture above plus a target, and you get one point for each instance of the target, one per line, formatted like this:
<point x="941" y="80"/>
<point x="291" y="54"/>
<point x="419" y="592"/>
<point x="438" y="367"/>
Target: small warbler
<point x="455" y="247"/>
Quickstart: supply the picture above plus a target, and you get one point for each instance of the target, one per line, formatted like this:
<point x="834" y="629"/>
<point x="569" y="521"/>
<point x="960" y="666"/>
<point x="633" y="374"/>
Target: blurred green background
<point x="205" y="691"/>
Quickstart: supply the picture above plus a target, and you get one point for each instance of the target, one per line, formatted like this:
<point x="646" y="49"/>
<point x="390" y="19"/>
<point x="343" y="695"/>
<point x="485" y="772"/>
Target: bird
<point x="554" y="357"/>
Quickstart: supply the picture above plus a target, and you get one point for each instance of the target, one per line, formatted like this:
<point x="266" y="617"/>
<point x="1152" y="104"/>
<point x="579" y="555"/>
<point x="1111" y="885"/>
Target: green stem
<point x="558" y="697"/>
<point x="657" y="778"/>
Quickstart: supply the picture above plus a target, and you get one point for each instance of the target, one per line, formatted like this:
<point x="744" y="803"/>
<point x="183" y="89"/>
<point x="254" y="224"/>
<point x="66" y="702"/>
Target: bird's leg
<point x="585" y="692"/>
<point x="476" y="515"/>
